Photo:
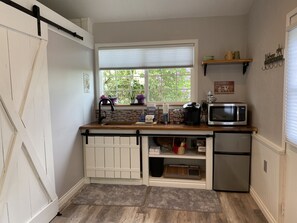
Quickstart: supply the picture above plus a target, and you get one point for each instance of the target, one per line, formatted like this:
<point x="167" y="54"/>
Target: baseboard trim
<point x="262" y="206"/>
<point x="116" y="181"/>
<point x="66" y="197"/>
<point x="47" y="213"/>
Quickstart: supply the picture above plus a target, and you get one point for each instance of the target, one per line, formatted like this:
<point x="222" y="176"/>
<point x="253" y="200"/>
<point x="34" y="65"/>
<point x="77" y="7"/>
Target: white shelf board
<point x="187" y="155"/>
<point x="180" y="183"/>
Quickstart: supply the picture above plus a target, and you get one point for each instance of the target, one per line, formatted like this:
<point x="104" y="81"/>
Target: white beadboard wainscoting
<point x="266" y="186"/>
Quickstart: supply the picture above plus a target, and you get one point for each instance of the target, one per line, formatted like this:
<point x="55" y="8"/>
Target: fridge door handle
<point x="233" y="153"/>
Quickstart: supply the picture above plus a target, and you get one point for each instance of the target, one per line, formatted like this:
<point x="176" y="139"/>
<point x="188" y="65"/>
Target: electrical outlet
<point x="265" y="166"/>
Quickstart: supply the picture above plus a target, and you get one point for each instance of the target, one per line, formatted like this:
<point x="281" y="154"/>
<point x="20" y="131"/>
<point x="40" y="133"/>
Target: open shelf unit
<point x="244" y="62"/>
<point x="190" y="158"/>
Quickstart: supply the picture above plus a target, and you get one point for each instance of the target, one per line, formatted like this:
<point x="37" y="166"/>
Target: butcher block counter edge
<point x="202" y="127"/>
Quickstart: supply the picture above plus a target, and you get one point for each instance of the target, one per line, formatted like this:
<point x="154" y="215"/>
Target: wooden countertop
<point x="202" y="127"/>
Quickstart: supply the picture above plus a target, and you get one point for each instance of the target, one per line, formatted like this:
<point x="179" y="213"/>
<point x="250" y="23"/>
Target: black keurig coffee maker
<point x="192" y="112"/>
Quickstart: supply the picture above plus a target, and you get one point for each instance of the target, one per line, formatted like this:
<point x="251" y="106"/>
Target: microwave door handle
<point x="237" y="111"/>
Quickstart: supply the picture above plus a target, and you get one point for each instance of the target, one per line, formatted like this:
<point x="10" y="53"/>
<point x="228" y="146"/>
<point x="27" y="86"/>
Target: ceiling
<point x="141" y="10"/>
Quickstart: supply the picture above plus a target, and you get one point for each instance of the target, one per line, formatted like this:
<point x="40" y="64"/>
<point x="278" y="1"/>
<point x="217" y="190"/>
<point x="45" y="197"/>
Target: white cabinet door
<point x="99" y="157"/>
<point x="112" y="157"/>
<point x="90" y="161"/>
<point x="27" y="187"/>
<point x="125" y="157"/>
<point x="135" y="159"/>
<point x="117" y="158"/>
<point x="109" y="163"/>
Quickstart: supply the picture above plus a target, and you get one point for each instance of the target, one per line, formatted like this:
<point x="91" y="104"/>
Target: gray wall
<point x="70" y="106"/>
<point x="216" y="35"/>
<point x="266" y="29"/>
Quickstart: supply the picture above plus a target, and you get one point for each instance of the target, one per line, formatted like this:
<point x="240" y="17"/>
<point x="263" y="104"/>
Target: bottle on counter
<point x="165" y="116"/>
<point x="177" y="116"/>
<point x="142" y="116"/>
<point x="151" y="110"/>
<point x="210" y="97"/>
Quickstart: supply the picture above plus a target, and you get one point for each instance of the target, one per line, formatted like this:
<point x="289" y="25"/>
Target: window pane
<point x="123" y="73"/>
<point x="123" y="84"/>
<point x="169" y="85"/>
<point x="183" y="81"/>
<point x="169" y="94"/>
<point x="123" y="97"/>
<point x="164" y="85"/>
<point x="185" y="95"/>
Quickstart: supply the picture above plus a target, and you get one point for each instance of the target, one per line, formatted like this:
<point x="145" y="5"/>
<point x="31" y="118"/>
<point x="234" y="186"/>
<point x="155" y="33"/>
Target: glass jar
<point x="177" y="116"/>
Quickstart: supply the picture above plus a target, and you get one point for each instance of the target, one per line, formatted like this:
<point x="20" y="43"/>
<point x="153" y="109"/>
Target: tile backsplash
<point x="133" y="115"/>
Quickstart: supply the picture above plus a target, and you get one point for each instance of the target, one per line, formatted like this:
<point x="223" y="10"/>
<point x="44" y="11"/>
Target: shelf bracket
<point x="205" y="68"/>
<point x="244" y="67"/>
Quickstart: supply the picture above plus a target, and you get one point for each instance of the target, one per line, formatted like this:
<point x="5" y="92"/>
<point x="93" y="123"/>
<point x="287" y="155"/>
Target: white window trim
<point x="291" y="23"/>
<point x="194" y="77"/>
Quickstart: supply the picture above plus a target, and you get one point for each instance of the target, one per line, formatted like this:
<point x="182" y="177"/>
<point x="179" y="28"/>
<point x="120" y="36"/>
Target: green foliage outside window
<point x="164" y="84"/>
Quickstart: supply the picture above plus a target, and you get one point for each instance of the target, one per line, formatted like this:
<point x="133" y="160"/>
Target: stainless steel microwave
<point x="227" y="114"/>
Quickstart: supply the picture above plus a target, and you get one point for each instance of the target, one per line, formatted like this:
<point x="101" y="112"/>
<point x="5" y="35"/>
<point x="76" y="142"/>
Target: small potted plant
<point x="104" y="97"/>
<point x="140" y="98"/>
<point x="113" y="99"/>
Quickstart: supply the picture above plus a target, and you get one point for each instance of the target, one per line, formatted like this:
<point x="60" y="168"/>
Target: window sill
<point x="140" y="107"/>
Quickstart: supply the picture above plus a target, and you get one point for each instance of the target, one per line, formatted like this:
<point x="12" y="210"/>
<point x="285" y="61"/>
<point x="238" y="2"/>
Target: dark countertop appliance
<point x="192" y="112"/>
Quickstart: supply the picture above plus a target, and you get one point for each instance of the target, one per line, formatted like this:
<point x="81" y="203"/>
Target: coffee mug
<point x="229" y="55"/>
<point x="236" y="55"/>
<point x="149" y="118"/>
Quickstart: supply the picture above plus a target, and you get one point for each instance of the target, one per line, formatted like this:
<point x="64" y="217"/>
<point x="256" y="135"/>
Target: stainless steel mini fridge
<point x="232" y="155"/>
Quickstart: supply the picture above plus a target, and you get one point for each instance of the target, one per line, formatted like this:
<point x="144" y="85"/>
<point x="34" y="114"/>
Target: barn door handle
<point x="87" y="135"/>
<point x="137" y="137"/>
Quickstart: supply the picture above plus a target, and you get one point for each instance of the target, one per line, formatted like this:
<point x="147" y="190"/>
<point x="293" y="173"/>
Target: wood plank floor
<point x="236" y="208"/>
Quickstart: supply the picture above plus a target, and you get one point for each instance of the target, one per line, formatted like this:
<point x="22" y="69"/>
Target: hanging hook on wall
<point x="274" y="60"/>
<point x="275" y="65"/>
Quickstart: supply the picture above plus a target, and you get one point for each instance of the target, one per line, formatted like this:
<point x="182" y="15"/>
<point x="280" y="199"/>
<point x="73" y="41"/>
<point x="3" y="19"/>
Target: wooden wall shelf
<point x="244" y="62"/>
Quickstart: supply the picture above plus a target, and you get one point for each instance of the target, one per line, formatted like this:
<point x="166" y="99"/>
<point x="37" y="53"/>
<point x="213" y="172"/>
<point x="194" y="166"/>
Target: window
<point x="162" y="72"/>
<point x="291" y="88"/>
<point x="159" y="85"/>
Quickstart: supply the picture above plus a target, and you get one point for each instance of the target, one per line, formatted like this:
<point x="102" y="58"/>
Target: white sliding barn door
<point x="112" y="157"/>
<point x="27" y="191"/>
